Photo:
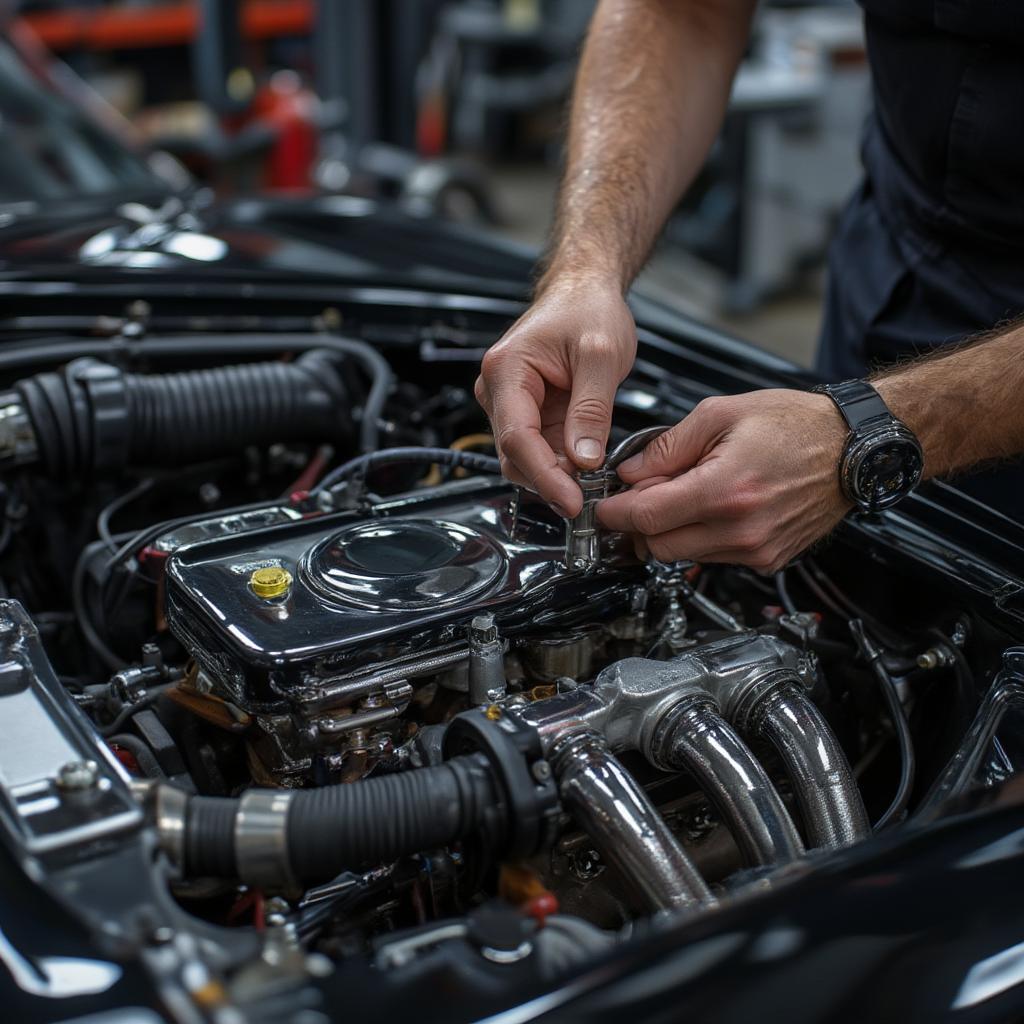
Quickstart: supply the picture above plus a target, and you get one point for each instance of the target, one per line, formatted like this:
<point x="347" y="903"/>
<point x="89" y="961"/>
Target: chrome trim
<point x="625" y="826"/>
<point x="171" y="808"/>
<point x="261" y="838"/>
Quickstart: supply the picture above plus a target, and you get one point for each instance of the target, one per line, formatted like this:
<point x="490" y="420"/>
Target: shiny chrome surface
<point x="977" y="751"/>
<point x="44" y="741"/>
<point x="353" y="605"/>
<point x="625" y="826"/>
<point x="405" y="563"/>
<point x="261" y="837"/>
<point x="694" y="738"/>
<point x="826" y="790"/>
<point x="670" y="712"/>
<point x="170" y="806"/>
<point x="487" y="682"/>
<point x="582" y="540"/>
<point x="339" y="690"/>
<point x="632" y="445"/>
<point x="582" y="537"/>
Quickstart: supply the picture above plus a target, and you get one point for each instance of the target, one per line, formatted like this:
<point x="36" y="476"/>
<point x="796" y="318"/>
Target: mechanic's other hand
<point x="748" y="479"/>
<point x="548" y="387"/>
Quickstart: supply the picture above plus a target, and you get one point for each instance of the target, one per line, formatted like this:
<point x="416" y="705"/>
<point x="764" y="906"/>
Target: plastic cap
<point x="272" y="581"/>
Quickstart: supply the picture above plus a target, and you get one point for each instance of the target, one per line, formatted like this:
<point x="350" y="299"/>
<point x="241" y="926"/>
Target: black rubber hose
<point x="210" y="836"/>
<point x="364" y="464"/>
<point x="92" y="418"/>
<point x="908" y="762"/>
<point x="60" y="350"/>
<point x="347" y="827"/>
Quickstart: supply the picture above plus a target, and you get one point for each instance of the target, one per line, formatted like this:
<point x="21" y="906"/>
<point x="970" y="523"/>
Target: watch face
<point x="888" y="470"/>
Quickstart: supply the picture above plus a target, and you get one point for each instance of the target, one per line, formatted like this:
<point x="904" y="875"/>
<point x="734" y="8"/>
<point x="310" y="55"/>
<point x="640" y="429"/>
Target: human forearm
<point x="652" y="87"/>
<point x="966" y="406"/>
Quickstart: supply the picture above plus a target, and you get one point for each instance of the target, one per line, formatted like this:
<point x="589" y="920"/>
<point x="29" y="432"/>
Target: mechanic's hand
<point x="750" y="480"/>
<point x="548" y="387"/>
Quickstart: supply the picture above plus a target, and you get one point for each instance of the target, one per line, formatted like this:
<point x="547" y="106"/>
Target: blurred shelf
<point x="165" y="24"/>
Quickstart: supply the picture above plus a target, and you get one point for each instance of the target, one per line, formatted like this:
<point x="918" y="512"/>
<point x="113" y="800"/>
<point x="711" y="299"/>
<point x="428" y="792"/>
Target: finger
<point x="589" y="417"/>
<point x="517" y="431"/>
<point x="513" y="476"/>
<point x="483" y="395"/>
<point x="681" y="447"/>
<point x="708" y="549"/>
<point x="660" y="504"/>
<point x="694" y="543"/>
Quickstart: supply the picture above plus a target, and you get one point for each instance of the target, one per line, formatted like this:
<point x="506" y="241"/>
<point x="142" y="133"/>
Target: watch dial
<point x="888" y="473"/>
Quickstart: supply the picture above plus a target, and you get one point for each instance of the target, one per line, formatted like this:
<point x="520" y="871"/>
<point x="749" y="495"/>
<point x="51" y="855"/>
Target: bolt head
<point x="482" y="629"/>
<point x="77" y="776"/>
<point x="541" y="771"/>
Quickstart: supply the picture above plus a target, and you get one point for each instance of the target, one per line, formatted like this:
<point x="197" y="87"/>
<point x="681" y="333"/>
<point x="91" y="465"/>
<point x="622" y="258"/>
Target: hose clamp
<point x="171" y="807"/>
<point x="261" y="839"/>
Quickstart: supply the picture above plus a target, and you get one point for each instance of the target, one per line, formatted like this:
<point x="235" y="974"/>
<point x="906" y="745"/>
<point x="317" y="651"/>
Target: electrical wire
<point x="873" y="656"/>
<point x="782" y="587"/>
<point x="364" y="464"/>
<point x="885" y="636"/>
<point x="108" y="512"/>
<point x="151" y="695"/>
<point x="84" y="620"/>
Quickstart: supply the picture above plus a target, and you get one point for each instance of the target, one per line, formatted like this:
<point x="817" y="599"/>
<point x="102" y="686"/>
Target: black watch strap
<point x="861" y="405"/>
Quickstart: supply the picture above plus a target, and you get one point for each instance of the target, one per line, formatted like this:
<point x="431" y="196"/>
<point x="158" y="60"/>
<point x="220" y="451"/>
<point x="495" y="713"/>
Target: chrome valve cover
<point x="361" y="587"/>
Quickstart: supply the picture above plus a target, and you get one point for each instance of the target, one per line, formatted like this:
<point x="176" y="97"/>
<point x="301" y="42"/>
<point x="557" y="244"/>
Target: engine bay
<point x="378" y="703"/>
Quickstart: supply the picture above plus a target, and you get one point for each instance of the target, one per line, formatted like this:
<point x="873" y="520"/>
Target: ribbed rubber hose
<point x="178" y="418"/>
<point x="93" y="418"/>
<point x="358" y="825"/>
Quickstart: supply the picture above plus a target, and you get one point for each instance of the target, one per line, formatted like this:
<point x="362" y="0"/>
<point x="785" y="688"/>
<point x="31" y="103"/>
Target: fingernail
<point x="632" y="464"/>
<point x="588" y="448"/>
<point x="561" y="511"/>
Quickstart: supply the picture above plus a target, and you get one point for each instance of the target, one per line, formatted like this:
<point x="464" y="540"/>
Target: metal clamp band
<point x="171" y="805"/>
<point x="261" y="839"/>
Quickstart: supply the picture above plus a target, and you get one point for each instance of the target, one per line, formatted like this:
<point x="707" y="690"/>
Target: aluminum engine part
<point x="678" y="713"/>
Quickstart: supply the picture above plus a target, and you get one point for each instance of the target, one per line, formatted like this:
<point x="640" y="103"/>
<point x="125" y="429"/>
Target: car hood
<point x="344" y="238"/>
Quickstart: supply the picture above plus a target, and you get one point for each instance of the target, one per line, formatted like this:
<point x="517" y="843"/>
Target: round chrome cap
<point x="403" y="564"/>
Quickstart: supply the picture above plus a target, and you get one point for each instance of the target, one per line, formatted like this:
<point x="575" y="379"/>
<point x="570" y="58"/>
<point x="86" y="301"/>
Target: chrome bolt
<point x="934" y="657"/>
<point x="276" y="911"/>
<point x="77" y="776"/>
<point x="482" y="629"/>
<point x="507" y="956"/>
<point x="541" y="771"/>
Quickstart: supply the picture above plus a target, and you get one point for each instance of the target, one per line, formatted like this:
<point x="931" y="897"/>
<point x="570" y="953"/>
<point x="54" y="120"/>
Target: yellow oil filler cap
<point x="271" y="581"/>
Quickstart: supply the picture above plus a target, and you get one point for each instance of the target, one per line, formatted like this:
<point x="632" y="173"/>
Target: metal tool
<point x="582" y="539"/>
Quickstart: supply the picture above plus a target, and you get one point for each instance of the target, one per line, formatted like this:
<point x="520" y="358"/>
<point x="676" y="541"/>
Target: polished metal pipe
<point x="830" y="802"/>
<point x="624" y="825"/>
<point x="695" y="738"/>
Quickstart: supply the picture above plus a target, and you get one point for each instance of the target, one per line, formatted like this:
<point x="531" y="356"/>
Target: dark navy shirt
<point x="930" y="250"/>
<point x="949" y="98"/>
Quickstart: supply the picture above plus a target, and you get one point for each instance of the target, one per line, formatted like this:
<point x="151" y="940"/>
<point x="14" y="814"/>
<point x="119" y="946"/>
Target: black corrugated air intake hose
<point x="92" y="418"/>
<point x="347" y="826"/>
<point x="488" y="789"/>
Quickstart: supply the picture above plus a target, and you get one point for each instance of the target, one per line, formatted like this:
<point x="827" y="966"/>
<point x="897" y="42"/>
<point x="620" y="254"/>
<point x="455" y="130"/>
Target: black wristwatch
<point x="882" y="461"/>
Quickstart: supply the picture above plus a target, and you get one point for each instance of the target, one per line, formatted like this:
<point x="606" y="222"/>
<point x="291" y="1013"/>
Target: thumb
<point x="588" y="419"/>
<point x="680" y="447"/>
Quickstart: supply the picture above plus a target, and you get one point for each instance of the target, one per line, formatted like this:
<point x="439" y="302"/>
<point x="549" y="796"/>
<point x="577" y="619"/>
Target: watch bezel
<point x="860" y="446"/>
